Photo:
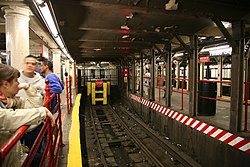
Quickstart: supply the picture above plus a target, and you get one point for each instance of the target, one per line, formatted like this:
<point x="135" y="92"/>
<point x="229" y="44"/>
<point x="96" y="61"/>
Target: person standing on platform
<point x="12" y="112"/>
<point x="34" y="79"/>
<point x="28" y="75"/>
<point x="55" y="83"/>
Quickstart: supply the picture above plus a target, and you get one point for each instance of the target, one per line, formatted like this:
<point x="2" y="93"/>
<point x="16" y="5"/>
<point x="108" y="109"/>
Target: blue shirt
<point x="55" y="84"/>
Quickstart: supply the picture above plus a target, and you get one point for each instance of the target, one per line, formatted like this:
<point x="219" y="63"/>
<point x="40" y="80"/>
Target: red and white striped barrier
<point x="216" y="133"/>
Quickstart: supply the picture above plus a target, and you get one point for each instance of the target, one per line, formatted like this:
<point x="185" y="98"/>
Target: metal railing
<point x="53" y="142"/>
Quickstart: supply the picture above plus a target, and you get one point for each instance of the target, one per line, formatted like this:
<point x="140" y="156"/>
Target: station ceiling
<point x="118" y="28"/>
<point x="114" y="29"/>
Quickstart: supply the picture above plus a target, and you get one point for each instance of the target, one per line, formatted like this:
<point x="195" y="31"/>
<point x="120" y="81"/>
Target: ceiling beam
<point x="224" y="31"/>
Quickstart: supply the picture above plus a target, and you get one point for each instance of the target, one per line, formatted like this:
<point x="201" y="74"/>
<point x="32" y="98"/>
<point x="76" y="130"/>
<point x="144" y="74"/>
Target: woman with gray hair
<point x="12" y="112"/>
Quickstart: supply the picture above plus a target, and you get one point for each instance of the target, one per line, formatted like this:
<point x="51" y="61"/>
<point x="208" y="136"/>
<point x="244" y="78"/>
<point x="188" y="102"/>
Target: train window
<point x="92" y="73"/>
<point x="102" y="73"/>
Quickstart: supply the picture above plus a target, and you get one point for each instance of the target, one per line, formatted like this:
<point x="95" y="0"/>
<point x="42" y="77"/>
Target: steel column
<point x="168" y="81"/>
<point x="193" y="77"/>
<point x="133" y="76"/>
<point x="237" y="76"/>
<point x="152" y="71"/>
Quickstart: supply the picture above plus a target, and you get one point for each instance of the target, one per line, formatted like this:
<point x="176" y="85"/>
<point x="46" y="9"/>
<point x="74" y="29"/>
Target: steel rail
<point x="103" y="159"/>
<point x="145" y="150"/>
<point x="183" y="158"/>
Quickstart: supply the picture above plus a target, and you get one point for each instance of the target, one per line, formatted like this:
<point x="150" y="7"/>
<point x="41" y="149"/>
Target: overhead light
<point x="157" y="29"/>
<point x="45" y="12"/>
<point x="59" y="42"/>
<point x="215" y="48"/>
<point x="203" y="38"/>
<point x="125" y="36"/>
<point x="227" y="24"/>
<point x="169" y="27"/>
<point x="171" y="5"/>
<point x="124" y="27"/>
<point x="64" y="51"/>
<point x="3" y="53"/>
<point x="97" y="49"/>
<point x="178" y="54"/>
<point x="39" y="2"/>
<point x="130" y="16"/>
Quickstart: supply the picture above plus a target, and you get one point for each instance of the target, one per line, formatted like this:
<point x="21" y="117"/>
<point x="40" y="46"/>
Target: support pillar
<point x="142" y="76"/>
<point x="152" y="71"/>
<point x="168" y="79"/>
<point x="57" y="62"/>
<point x="17" y="34"/>
<point x="237" y="71"/>
<point x="178" y="65"/>
<point x="67" y="68"/>
<point x="219" y="84"/>
<point x="193" y="79"/>
<point x="133" y="77"/>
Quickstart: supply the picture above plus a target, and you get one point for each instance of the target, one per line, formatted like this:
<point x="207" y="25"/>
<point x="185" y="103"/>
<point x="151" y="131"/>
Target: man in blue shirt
<point x="55" y="83"/>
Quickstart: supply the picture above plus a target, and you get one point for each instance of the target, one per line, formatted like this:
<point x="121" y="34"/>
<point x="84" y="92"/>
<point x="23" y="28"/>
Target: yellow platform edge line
<point x="74" y="155"/>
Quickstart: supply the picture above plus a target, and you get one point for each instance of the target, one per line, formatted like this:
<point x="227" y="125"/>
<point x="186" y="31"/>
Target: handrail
<point x="52" y="143"/>
<point x="8" y="145"/>
<point x="68" y="93"/>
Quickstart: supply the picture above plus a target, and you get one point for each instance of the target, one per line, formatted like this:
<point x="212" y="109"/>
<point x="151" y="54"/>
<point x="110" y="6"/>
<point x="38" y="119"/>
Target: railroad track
<point x="116" y="138"/>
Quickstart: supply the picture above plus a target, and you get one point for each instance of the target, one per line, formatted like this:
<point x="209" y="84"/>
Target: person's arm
<point x="34" y="99"/>
<point x="13" y="119"/>
<point x="54" y="83"/>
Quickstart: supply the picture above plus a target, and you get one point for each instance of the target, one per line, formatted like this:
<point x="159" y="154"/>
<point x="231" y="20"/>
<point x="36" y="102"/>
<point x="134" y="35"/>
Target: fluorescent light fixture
<point x="97" y="49"/>
<point x="40" y="2"/>
<point x="65" y="51"/>
<point x="157" y="29"/>
<point x="49" y="19"/>
<point x="3" y="53"/>
<point x="171" y="5"/>
<point x="124" y="27"/>
<point x="59" y="42"/>
<point x="125" y="36"/>
<point x="44" y="11"/>
<point x="203" y="38"/>
<point x="215" y="48"/>
<point x="178" y="54"/>
<point x="227" y="24"/>
<point x="130" y="16"/>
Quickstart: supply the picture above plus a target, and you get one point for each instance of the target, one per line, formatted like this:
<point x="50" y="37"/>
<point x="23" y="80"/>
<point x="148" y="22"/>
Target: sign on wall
<point x="204" y="59"/>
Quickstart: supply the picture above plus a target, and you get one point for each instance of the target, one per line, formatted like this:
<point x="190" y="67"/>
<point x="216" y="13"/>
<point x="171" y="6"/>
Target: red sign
<point x="98" y="83"/>
<point x="204" y="59"/>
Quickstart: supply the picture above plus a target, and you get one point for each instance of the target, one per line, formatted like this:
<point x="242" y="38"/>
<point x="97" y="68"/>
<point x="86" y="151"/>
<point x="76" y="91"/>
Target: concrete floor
<point x="220" y="119"/>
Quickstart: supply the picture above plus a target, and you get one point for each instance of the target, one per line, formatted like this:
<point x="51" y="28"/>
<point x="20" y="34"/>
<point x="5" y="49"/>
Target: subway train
<point x="175" y="73"/>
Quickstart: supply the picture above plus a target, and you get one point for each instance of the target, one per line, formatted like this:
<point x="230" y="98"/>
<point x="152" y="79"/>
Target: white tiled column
<point x="67" y="66"/>
<point x="57" y="62"/>
<point x="17" y="34"/>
